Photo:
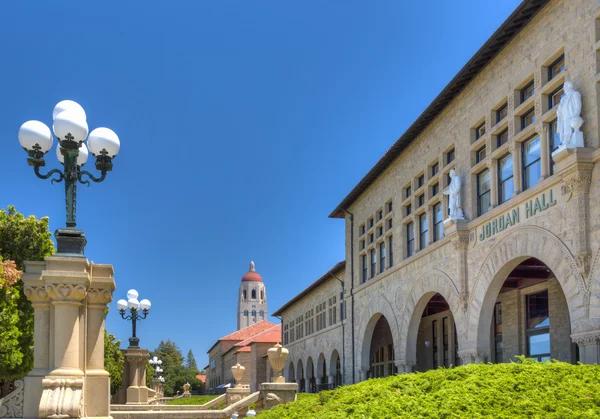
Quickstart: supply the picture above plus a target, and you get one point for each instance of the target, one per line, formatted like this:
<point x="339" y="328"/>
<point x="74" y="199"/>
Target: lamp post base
<point x="70" y="241"/>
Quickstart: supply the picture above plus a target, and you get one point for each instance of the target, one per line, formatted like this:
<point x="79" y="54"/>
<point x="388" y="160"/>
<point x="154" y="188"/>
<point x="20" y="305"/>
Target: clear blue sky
<point x="242" y="124"/>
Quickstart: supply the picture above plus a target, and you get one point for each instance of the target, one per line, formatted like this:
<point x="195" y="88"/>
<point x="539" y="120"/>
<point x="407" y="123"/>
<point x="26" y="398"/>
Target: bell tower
<point x="252" y="303"/>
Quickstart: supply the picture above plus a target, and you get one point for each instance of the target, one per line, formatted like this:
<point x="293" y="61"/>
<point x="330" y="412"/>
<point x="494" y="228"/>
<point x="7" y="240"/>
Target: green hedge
<point x="524" y="389"/>
<point x="191" y="400"/>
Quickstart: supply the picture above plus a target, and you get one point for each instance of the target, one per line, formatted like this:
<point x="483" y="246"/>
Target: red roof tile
<point x="249" y="331"/>
<point x="244" y="349"/>
<point x="201" y="377"/>
<point x="272" y="334"/>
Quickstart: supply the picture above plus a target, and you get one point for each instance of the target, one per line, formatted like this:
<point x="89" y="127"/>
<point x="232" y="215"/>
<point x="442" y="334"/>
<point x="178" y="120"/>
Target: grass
<point x="193" y="400"/>
<point x="524" y="389"/>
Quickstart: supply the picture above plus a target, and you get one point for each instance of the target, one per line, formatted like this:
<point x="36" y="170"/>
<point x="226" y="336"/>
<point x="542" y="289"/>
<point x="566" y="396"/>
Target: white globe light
<point x="81" y="159"/>
<point x="132" y="294"/>
<point x="104" y="139"/>
<point x="145" y="304"/>
<point x="68" y="105"/>
<point x="70" y="122"/>
<point x="35" y="132"/>
<point x="121" y="305"/>
<point x="133" y="303"/>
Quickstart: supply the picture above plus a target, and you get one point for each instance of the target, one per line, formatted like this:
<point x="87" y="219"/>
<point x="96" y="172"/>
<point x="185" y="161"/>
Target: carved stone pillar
<point x="545" y="151"/>
<point x="459" y="237"/>
<point x="589" y="346"/>
<point x="493" y="167"/>
<point x="134" y="390"/>
<point x="515" y="150"/>
<point x="473" y="356"/>
<point x="364" y="374"/>
<point x="404" y="366"/>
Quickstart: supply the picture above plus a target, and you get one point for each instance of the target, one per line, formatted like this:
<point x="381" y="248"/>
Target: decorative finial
<point x="252" y="266"/>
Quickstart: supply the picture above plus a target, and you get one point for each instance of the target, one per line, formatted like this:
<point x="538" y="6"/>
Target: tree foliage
<point x="523" y="389"/>
<point x="21" y="239"/>
<point x="190" y="361"/>
<point x="176" y="374"/>
<point x="114" y="362"/>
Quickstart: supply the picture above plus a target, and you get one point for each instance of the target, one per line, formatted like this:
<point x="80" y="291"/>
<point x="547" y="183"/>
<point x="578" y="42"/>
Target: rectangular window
<point x="421" y="199"/>
<point x="435" y="189"/>
<point x="410" y="239"/>
<point x="527" y="91"/>
<point x="421" y="180"/>
<point x="532" y="170"/>
<point x="438" y="227"/>
<point x="434" y="343"/>
<point x="498" y="332"/>
<point x="480" y="131"/>
<point x="379" y="231"/>
<point x="373" y="263"/>
<point x="554" y="140"/>
<point x="450" y="156"/>
<point x="423" y="231"/>
<point x="480" y="154"/>
<point x="505" y="178"/>
<point x="483" y="192"/>
<point x="538" y="326"/>
<point x="363" y="261"/>
<point x="362" y="244"/>
<point x="361" y="230"/>
<point x="408" y="191"/>
<point x="408" y="209"/>
<point x="382" y="255"/>
<point x="445" y="342"/>
<point x="370" y="238"/>
<point x="379" y="214"/>
<point x="435" y="169"/>
<point x="528" y="118"/>
<point x="370" y="221"/>
<point x="554" y="97"/>
<point x="391" y="250"/>
<point x="502" y="138"/>
<point x="556" y="67"/>
<point x="502" y="112"/>
<point x="389" y="224"/>
<point x="389" y="207"/>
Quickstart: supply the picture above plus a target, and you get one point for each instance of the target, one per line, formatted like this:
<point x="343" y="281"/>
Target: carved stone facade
<point x="551" y="220"/>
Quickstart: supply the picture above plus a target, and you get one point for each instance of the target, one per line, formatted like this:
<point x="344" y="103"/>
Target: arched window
<point x="262" y="294"/>
<point x="254" y="313"/>
<point x="244" y="294"/>
<point x="254" y="294"/>
<point x="246" y="313"/>
<point x="262" y="314"/>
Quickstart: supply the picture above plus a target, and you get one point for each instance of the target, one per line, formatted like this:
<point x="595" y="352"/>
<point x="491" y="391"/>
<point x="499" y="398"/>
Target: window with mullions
<point x="502" y="112"/>
<point x="527" y="91"/>
<point x="506" y="187"/>
<point x="434" y="344"/>
<point x="498" y="332"/>
<point x="502" y="138"/>
<point x="421" y="180"/>
<point x="435" y="188"/>
<point x="556" y="67"/>
<point x="438" y="227"/>
<point x="480" y="154"/>
<point x="450" y="156"/>
<point x="528" y="118"/>
<point x="410" y="239"/>
<point x="382" y="255"/>
<point x="363" y="262"/>
<point x="373" y="263"/>
<point x="554" y="142"/>
<point x="423" y="231"/>
<point x="538" y="326"/>
<point x="435" y="169"/>
<point x="408" y="209"/>
<point x="484" y="191"/>
<point x="421" y="199"/>
<point x="391" y="250"/>
<point x="532" y="170"/>
<point x="408" y="191"/>
<point x="554" y="97"/>
<point x="445" y="342"/>
<point x="480" y="131"/>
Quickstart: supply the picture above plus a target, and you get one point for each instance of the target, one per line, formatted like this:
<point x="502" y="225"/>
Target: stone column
<point x="493" y="168"/>
<point x="545" y="151"/>
<point x="515" y="150"/>
<point x="405" y="366"/>
<point x="473" y="356"/>
<point x="589" y="346"/>
<point x="134" y="390"/>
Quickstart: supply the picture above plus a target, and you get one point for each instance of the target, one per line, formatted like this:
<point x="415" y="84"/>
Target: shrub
<point x="193" y="400"/>
<point x="522" y="389"/>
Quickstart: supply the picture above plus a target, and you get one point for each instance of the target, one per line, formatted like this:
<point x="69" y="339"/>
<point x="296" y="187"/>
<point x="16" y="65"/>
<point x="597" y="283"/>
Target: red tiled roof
<point x="244" y="349"/>
<point x="249" y="331"/>
<point x="272" y="334"/>
<point x="201" y="377"/>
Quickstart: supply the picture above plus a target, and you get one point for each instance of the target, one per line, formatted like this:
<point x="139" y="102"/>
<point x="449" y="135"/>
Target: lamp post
<point x="134" y="307"/>
<point x="71" y="130"/>
<point x="156" y="363"/>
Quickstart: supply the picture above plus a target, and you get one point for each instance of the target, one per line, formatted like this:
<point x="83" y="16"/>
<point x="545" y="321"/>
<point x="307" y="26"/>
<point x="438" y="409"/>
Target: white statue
<point x="569" y="119"/>
<point x="453" y="192"/>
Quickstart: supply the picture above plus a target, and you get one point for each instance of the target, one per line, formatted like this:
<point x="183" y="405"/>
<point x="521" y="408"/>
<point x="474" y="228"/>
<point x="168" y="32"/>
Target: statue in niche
<point x="569" y="118"/>
<point x="453" y="192"/>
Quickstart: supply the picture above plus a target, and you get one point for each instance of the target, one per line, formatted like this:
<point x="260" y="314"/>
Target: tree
<point x="21" y="239"/>
<point x="176" y="374"/>
<point x="114" y="362"/>
<point x="190" y="362"/>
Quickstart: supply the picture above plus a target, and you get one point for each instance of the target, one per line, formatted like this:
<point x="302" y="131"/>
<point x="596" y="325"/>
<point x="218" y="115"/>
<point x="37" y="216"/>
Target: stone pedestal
<point x="68" y="380"/>
<point x="134" y="390"/>
<point x="234" y="395"/>
<point x="273" y="394"/>
<point x="157" y="387"/>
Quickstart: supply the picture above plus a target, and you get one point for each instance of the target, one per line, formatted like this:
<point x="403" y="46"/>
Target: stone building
<point x="476" y="236"/>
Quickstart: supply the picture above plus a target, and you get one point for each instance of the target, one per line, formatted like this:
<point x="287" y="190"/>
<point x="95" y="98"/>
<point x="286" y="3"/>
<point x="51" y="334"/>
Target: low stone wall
<point x="155" y="407"/>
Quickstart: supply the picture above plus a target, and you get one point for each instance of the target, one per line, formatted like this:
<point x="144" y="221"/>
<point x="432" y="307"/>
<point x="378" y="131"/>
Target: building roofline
<point x="311" y="287"/>
<point x="503" y="35"/>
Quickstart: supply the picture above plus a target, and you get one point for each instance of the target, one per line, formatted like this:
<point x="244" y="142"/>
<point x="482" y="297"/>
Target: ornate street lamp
<point x="71" y="130"/>
<point x="156" y="362"/>
<point x="134" y="307"/>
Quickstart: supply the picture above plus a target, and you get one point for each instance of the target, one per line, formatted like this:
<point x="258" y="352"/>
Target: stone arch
<point x="299" y="370"/>
<point x="321" y="366"/>
<point x="429" y="284"/>
<point x="519" y="245"/>
<point x="291" y="373"/>
<point x="310" y="368"/>
<point x="377" y="307"/>
<point x="335" y="355"/>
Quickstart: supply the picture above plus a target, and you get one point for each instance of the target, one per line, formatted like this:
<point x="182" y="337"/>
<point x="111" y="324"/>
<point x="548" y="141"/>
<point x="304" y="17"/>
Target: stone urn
<point x="277" y="357"/>
<point x="186" y="390"/>
<point x="238" y="373"/>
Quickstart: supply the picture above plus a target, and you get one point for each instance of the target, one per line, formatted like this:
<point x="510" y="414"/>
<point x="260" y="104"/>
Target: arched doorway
<point x="311" y="386"/>
<point x="300" y="375"/>
<point x="528" y="316"/>
<point x="321" y="373"/>
<point x="437" y="336"/>
<point x="335" y="368"/>
<point x="381" y="350"/>
<point x="291" y="376"/>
